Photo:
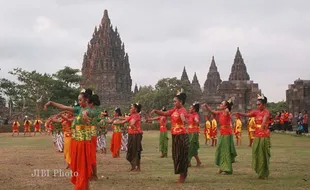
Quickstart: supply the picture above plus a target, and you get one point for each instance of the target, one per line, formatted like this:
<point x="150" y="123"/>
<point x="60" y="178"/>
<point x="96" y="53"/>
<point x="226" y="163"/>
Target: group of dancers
<point x="27" y="125"/>
<point x="84" y="129"/>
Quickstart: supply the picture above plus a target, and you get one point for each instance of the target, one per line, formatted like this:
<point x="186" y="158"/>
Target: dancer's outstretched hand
<point x="46" y="105"/>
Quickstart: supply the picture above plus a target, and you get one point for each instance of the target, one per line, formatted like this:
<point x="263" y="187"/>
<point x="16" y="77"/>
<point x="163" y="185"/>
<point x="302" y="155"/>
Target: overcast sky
<point x="163" y="36"/>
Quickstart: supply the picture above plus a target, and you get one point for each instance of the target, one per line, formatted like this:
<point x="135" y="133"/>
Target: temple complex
<point x="106" y="66"/>
<point x="298" y="96"/>
<point x="239" y="87"/>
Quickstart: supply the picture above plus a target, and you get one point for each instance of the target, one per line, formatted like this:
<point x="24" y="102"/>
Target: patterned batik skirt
<point x="180" y="149"/>
<point x="134" y="149"/>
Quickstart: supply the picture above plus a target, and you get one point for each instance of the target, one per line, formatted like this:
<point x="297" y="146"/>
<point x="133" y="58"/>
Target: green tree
<point x="33" y="89"/>
<point x="275" y="107"/>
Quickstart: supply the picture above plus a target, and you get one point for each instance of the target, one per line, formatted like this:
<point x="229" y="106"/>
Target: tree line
<point x="32" y="89"/>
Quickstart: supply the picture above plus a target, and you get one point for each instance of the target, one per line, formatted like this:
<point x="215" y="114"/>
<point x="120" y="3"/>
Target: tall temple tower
<point x="196" y="89"/>
<point x="239" y="86"/>
<point x="213" y="80"/>
<point x="238" y="69"/>
<point x="106" y="66"/>
<point x="184" y="77"/>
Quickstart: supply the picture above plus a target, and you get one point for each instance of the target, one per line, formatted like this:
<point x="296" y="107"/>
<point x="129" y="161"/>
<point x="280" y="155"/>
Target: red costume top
<point x="177" y="124"/>
<point x="193" y="125"/>
<point x="137" y="125"/>
<point x="225" y="123"/>
<point x="259" y="117"/>
<point x="162" y="123"/>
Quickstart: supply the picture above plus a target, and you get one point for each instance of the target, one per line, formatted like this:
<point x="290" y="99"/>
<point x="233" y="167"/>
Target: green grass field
<point x="290" y="166"/>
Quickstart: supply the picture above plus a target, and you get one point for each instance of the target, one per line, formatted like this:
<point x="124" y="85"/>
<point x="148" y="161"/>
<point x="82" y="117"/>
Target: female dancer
<point x="134" y="137"/>
<point x="207" y="130"/>
<point x="213" y="131"/>
<point x="65" y="118"/>
<point x="94" y="114"/>
<point x="15" y="127"/>
<point x="116" y="139"/>
<point x="180" y="142"/>
<point x="251" y="130"/>
<point x="27" y="124"/>
<point x="261" y="145"/>
<point x="37" y="126"/>
<point x="225" y="152"/>
<point x="163" y="137"/>
<point x="80" y="142"/>
<point x="238" y="130"/>
<point x="124" y="136"/>
<point x="193" y="133"/>
<point x="101" y="133"/>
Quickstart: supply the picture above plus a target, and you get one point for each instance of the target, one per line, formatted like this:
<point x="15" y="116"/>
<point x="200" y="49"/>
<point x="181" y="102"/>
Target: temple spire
<point x="213" y="79"/>
<point x="238" y="69"/>
<point x="197" y="92"/>
<point x="184" y="77"/>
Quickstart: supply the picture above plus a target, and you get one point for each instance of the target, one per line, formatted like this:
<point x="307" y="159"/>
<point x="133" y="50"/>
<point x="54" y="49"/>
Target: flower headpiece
<point x="180" y="91"/>
<point x="83" y="91"/>
<point x="195" y="103"/>
<point x="137" y="103"/>
<point x="260" y="97"/>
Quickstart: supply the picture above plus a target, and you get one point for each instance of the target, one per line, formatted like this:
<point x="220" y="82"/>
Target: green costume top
<point x="81" y="131"/>
<point x="102" y="127"/>
<point x="94" y="116"/>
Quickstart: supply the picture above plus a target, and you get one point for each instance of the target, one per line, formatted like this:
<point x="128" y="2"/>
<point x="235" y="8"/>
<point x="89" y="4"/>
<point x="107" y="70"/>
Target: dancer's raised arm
<point x="209" y="109"/>
<point x="59" y="106"/>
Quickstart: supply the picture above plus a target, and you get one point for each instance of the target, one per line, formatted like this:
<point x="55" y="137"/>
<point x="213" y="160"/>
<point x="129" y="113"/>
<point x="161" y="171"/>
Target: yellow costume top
<point x="251" y="125"/>
<point x="238" y="126"/>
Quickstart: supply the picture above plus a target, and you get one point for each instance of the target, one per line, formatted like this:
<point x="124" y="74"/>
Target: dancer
<point x="134" y="137"/>
<point x="125" y="136"/>
<point x="94" y="115"/>
<point x="59" y="136"/>
<point x="207" y="130"/>
<point x="80" y="142"/>
<point x="163" y="135"/>
<point x="116" y="139"/>
<point x="180" y="141"/>
<point x="261" y="145"/>
<point x="238" y="130"/>
<point x="251" y="130"/>
<point x="213" y="132"/>
<point x="193" y="133"/>
<point x="15" y="127"/>
<point x="65" y="118"/>
<point x="225" y="152"/>
<point x="37" y="126"/>
<point x="27" y="124"/>
<point x="101" y="133"/>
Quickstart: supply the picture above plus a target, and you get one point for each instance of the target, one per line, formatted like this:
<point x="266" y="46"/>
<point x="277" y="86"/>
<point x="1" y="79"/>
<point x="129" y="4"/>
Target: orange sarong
<point x="93" y="150"/>
<point x="80" y="164"/>
<point x="116" y="143"/>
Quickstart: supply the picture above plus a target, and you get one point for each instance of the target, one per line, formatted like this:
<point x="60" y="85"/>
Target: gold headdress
<point x="180" y="91"/>
<point x="260" y="97"/>
<point x="229" y="100"/>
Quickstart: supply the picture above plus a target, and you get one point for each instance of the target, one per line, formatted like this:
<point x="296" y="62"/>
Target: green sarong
<point x="163" y="143"/>
<point x="261" y="156"/>
<point x="225" y="153"/>
<point x="193" y="145"/>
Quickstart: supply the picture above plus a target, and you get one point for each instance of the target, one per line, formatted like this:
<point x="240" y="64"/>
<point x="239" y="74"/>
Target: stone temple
<point x="106" y="66"/>
<point x="239" y="87"/>
<point x="298" y="96"/>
